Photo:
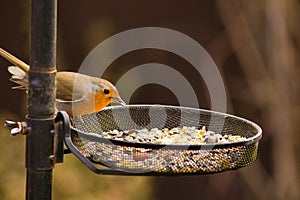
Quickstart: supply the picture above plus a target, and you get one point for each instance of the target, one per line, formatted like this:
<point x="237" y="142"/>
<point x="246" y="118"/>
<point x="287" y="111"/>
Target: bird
<point x="77" y="94"/>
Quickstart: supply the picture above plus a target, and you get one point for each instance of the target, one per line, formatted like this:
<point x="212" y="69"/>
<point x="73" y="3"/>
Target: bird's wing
<point x="66" y="105"/>
<point x="71" y="87"/>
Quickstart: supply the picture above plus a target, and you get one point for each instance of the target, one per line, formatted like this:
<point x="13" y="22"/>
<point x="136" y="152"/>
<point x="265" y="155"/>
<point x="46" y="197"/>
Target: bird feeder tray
<point x="106" y="138"/>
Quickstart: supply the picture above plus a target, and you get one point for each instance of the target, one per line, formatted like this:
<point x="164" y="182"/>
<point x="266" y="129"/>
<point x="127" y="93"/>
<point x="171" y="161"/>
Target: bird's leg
<point x="80" y="119"/>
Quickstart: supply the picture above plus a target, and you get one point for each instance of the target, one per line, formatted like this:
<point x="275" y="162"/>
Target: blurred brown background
<point x="256" y="46"/>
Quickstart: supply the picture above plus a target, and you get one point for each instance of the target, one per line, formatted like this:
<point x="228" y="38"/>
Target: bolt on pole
<point x="41" y="100"/>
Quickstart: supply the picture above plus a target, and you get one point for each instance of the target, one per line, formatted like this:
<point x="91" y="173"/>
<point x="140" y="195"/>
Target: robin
<point x="76" y="93"/>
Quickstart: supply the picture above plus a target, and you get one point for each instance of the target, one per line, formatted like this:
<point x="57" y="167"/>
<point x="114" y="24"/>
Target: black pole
<point x="41" y="100"/>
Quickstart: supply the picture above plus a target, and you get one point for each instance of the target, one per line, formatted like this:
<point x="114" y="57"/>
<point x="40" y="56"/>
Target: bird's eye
<point x="106" y="91"/>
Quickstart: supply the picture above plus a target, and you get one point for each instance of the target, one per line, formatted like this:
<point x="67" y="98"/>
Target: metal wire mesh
<point x="161" y="158"/>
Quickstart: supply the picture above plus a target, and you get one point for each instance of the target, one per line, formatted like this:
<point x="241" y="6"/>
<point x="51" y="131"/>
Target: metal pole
<point x="41" y="100"/>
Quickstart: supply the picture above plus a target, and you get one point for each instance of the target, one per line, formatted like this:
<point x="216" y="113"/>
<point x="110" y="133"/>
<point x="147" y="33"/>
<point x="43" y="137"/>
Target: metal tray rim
<point x="96" y="138"/>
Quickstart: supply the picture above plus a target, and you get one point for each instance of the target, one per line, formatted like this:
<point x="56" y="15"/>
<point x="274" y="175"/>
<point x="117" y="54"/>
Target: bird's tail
<point x="18" y="72"/>
<point x="14" y="60"/>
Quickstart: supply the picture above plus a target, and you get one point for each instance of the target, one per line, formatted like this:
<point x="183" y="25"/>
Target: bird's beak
<point x="118" y="100"/>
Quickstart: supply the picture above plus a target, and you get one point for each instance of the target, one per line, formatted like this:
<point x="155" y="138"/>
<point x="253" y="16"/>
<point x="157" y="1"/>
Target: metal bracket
<point x="22" y="128"/>
<point x="59" y="150"/>
<point x="17" y="128"/>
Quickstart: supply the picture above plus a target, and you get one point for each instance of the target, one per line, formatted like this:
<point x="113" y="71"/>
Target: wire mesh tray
<point x="140" y="157"/>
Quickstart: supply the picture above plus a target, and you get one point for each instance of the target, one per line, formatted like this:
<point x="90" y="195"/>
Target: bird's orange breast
<point x="94" y="103"/>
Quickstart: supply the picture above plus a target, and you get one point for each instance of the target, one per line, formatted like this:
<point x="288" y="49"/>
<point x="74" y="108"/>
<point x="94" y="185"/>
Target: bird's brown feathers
<point x="76" y="93"/>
